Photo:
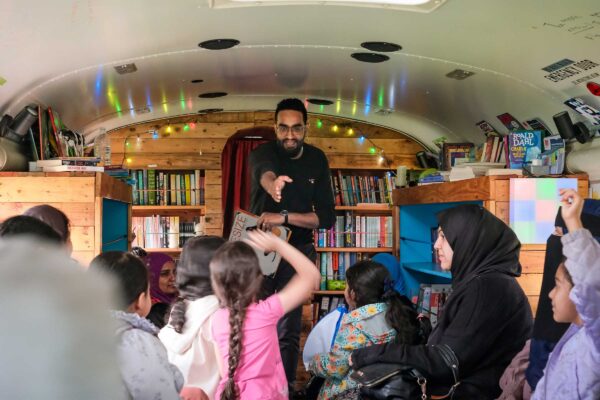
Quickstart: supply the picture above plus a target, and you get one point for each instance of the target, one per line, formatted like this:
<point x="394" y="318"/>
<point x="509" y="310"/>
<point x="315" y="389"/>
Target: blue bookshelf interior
<point x="416" y="247"/>
<point x="115" y="228"/>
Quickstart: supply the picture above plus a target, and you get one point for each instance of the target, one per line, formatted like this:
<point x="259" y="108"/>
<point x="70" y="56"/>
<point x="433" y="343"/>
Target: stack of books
<point x="70" y="164"/>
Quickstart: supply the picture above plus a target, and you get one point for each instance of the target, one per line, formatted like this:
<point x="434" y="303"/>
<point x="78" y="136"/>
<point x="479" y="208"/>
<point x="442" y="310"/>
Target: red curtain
<point x="235" y="174"/>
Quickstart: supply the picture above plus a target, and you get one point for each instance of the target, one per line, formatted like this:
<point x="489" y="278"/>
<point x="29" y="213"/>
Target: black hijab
<point x="481" y="242"/>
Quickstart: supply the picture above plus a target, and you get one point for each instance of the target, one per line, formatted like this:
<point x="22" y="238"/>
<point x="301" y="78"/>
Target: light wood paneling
<point x="531" y="283"/>
<point x="46" y="189"/>
<point x="82" y="238"/>
<point x="79" y="214"/>
<point x="532" y="262"/>
<point x="169" y="161"/>
<point x="83" y="257"/>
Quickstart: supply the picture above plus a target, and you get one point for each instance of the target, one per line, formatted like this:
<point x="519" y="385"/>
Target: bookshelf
<point x="169" y="204"/>
<point x="417" y="207"/>
<point x="365" y="225"/>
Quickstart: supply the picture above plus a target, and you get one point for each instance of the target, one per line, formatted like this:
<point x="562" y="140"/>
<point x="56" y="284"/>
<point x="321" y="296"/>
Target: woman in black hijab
<point x="486" y="319"/>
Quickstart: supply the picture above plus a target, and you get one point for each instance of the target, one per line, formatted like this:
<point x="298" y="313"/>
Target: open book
<point x="243" y="222"/>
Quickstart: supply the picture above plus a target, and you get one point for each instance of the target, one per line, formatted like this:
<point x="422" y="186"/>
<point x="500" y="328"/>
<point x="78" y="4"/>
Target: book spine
<point x="151" y="187"/>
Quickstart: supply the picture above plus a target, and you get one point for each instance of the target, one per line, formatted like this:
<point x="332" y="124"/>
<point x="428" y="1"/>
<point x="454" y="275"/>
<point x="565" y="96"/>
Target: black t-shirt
<point x="310" y="190"/>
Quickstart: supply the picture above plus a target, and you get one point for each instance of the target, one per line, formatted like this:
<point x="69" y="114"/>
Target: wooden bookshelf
<point x="97" y="205"/>
<point x="328" y="292"/>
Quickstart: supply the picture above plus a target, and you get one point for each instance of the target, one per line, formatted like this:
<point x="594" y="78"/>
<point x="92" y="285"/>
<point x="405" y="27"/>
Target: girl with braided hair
<point x="244" y="329"/>
<point x="378" y="314"/>
<point x="187" y="336"/>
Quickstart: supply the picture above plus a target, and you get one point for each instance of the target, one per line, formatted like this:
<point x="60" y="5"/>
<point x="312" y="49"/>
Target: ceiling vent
<point x="383" y="47"/>
<point x="320" y="102"/>
<point x="384" y="111"/>
<point x="125" y="68"/>
<point x="210" y="110"/>
<point x="212" y="95"/>
<point x="370" y="57"/>
<point x="460" y="74"/>
<point x="143" y="110"/>
<point x="197" y="81"/>
<point x="219" y="44"/>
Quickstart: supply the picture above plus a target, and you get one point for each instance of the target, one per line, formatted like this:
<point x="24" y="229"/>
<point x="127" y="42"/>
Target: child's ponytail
<point x="402" y="316"/>
<point x="177" y="318"/>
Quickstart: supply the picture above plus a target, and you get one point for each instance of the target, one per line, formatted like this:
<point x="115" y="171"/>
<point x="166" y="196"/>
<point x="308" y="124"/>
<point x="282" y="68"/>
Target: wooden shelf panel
<point x="446" y="192"/>
<point x="356" y="249"/>
<point x="427" y="268"/>
<point x="164" y="250"/>
<point x="366" y="207"/>
<point x="192" y="211"/>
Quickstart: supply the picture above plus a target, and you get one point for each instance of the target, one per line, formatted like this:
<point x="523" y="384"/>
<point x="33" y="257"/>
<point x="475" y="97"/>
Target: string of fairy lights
<point x="347" y="129"/>
<point x="352" y="130"/>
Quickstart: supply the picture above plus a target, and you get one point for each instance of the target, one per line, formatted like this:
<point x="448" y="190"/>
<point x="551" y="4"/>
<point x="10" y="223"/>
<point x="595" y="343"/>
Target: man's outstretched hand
<point x="277" y="187"/>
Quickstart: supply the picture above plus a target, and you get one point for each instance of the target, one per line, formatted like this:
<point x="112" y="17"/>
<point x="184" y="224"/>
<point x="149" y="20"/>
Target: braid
<point x="178" y="314"/>
<point x="237" y="312"/>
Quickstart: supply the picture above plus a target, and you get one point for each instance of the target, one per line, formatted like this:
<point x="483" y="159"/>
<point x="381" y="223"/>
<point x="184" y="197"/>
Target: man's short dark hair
<point x="292" y="104"/>
<point x="24" y="225"/>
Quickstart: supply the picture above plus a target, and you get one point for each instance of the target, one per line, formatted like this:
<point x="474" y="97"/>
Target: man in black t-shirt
<point x="291" y="185"/>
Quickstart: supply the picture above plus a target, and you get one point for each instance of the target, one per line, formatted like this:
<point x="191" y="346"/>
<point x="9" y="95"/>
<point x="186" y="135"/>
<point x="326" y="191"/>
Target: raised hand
<point x="264" y="241"/>
<point x="572" y="206"/>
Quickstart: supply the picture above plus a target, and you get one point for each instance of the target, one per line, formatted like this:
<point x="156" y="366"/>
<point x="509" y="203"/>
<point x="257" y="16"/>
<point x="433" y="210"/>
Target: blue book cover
<point x="523" y="146"/>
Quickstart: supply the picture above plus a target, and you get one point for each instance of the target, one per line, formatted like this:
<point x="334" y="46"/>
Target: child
<point x="245" y="330"/>
<point x="379" y="315"/>
<point x="143" y="362"/>
<point x="187" y="337"/>
<point x="573" y="368"/>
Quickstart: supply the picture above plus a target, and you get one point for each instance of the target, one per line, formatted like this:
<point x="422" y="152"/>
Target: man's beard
<point x="291" y="153"/>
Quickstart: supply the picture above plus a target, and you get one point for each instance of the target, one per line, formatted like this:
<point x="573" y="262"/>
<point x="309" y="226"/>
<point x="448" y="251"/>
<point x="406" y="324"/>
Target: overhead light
<point x="125" y="68"/>
<point x="219" y="44"/>
<point x="320" y="102"/>
<point x="197" y="80"/>
<point x="383" y="47"/>
<point x="423" y="6"/>
<point x="212" y="95"/>
<point x="459" y="74"/>
<point x="210" y="110"/>
<point x="370" y="57"/>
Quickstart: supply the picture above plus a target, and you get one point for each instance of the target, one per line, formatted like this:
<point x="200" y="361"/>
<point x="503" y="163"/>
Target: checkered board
<point x="533" y="206"/>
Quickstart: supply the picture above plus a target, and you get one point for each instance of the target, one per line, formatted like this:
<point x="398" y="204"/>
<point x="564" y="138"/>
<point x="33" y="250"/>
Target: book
<point x="244" y="221"/>
<point x="523" y="146"/>
<point x="485" y="127"/>
<point x="53" y="162"/>
<point x="510" y="122"/>
<point x="73" y="168"/>
<point x="452" y="151"/>
<point x="503" y="171"/>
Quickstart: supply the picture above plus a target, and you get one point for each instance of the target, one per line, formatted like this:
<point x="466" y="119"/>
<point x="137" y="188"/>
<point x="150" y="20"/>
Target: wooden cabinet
<point x="417" y="206"/>
<point x="97" y="205"/>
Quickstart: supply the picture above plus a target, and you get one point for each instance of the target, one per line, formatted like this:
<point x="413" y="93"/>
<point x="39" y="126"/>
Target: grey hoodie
<point x="145" y="368"/>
